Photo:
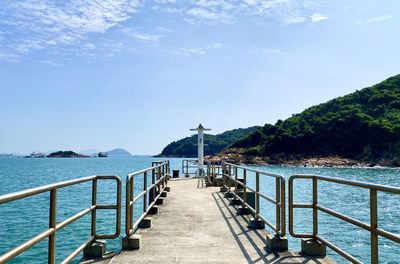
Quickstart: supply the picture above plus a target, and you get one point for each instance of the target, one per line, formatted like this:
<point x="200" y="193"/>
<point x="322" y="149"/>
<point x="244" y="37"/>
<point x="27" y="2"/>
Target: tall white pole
<point x="200" y="149"/>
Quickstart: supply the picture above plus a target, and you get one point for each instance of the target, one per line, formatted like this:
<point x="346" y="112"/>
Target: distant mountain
<point x="187" y="147"/>
<point x="364" y="126"/>
<point x="89" y="152"/>
<point x="118" y="152"/>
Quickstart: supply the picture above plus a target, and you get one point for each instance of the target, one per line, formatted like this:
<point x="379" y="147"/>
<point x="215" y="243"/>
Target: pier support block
<point x="235" y="201"/>
<point x="256" y="223"/>
<point x="145" y="223"/>
<point x="132" y="242"/>
<point x="167" y="189"/>
<point x="223" y="189"/>
<point x="313" y="247"/>
<point x="186" y="175"/>
<point x="160" y="201"/>
<point x="164" y="194"/>
<point x="277" y="243"/>
<point x="95" y="250"/>
<point x="153" y="210"/>
<point x="229" y="195"/>
<point x="243" y="211"/>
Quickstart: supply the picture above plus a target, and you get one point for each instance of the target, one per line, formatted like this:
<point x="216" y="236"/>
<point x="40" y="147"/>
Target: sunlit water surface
<point x="21" y="220"/>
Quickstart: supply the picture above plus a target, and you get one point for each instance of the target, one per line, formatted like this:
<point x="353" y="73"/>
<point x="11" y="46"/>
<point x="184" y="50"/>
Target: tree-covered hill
<point x="187" y="147"/>
<point x="364" y="126"/>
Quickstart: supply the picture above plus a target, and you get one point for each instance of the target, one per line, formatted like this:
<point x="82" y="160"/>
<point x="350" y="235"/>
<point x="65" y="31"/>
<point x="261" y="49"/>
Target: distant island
<point x="118" y="152"/>
<point x="187" y="147"/>
<point x="66" y="154"/>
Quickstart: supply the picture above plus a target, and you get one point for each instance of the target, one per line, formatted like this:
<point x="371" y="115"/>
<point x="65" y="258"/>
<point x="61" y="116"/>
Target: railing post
<point x="52" y="224"/>
<point x="278" y="205"/>
<point x="236" y="184"/>
<point x="94" y="201"/>
<point x="315" y="209"/>
<point x="257" y="194"/>
<point x="374" y="225"/>
<point x="145" y="189"/>
<point x="128" y="207"/>
<point x="244" y="187"/>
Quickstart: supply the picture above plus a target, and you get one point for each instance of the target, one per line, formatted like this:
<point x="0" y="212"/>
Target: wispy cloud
<point x="316" y="17"/>
<point x="194" y="50"/>
<point x="140" y="35"/>
<point x="43" y="23"/>
<point x="255" y="49"/>
<point x="379" y="19"/>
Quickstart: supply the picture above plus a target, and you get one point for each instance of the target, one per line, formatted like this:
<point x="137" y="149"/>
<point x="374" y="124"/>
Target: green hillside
<point x="187" y="147"/>
<point x="364" y="126"/>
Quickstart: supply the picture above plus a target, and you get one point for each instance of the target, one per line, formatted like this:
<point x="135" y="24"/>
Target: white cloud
<point x="316" y="17"/>
<point x="190" y="51"/>
<point x="141" y="36"/>
<point x="379" y="19"/>
<point x="255" y="49"/>
<point x="43" y="23"/>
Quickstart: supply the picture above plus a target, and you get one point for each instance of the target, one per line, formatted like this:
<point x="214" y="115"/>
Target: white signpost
<point x="200" y="151"/>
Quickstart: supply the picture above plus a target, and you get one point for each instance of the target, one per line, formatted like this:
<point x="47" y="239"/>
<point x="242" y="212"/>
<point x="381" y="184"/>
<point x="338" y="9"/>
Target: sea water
<point x="21" y="220"/>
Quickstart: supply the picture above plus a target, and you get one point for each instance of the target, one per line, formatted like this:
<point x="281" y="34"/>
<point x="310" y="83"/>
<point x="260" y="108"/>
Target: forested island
<point x="360" y="128"/>
<point x="187" y="147"/>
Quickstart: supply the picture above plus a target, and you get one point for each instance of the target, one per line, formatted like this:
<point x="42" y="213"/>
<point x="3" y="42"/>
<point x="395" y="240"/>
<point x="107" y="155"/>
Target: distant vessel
<point x="102" y="155"/>
<point x="36" y="155"/>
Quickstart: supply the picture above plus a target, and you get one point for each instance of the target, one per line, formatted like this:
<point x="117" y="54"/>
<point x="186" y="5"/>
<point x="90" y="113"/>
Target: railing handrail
<point x="5" y="198"/>
<point x="160" y="174"/>
<point x="372" y="227"/>
<point x="280" y="197"/>
<point x="266" y="173"/>
<point x="54" y="226"/>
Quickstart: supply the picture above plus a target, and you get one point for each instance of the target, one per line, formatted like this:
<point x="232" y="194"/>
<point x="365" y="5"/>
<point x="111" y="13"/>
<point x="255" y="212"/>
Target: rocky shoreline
<point x="288" y="160"/>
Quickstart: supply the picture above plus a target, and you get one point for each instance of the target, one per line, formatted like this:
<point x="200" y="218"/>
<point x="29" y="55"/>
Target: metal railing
<point x="189" y="167"/>
<point x="149" y="195"/>
<point x="372" y="226"/>
<point x="54" y="226"/>
<point x="230" y="171"/>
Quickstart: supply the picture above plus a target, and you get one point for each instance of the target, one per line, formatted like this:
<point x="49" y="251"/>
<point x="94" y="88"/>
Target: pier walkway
<point x="199" y="226"/>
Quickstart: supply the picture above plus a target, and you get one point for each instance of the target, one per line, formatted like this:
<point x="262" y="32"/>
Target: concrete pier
<point x="200" y="226"/>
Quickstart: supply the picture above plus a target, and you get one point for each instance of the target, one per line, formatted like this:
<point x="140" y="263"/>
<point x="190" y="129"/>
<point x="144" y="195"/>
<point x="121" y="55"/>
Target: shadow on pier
<point x="252" y="241"/>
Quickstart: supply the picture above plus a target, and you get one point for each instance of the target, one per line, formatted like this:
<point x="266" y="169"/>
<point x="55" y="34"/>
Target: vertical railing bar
<point x="283" y="207"/>
<point x="52" y="224"/>
<point x="278" y="206"/>
<point x="145" y="189"/>
<point x="245" y="183"/>
<point x="257" y="193"/>
<point x="94" y="202"/>
<point x="131" y="195"/>
<point x="374" y="225"/>
<point x="315" y="209"/>
<point x="236" y="184"/>
<point x="128" y="207"/>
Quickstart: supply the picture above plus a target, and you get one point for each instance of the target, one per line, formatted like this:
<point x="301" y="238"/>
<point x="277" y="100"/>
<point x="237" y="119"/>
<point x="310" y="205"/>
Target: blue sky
<point x="99" y="74"/>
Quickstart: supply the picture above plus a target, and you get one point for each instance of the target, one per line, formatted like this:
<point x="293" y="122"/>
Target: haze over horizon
<point x="102" y="74"/>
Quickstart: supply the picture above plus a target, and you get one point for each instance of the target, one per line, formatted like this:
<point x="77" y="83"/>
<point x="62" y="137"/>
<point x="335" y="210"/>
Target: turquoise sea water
<point x="23" y="219"/>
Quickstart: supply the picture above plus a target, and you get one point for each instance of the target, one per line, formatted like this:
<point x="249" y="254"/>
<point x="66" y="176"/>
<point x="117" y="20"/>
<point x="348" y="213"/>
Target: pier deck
<point x="199" y="226"/>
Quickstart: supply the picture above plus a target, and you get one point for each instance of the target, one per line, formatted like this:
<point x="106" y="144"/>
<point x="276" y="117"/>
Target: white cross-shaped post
<point x="200" y="149"/>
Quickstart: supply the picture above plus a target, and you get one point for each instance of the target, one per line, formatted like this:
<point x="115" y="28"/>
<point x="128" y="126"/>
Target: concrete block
<point x="164" y="194"/>
<point x="277" y="243"/>
<point x="132" y="242"/>
<point x="223" y="189"/>
<point x="235" y="201"/>
<point x="145" y="223"/>
<point x="313" y="247"/>
<point x="153" y="210"/>
<point x="243" y="211"/>
<point x="160" y="201"/>
<point x="256" y="223"/>
<point x="167" y="189"/>
<point x="95" y="250"/>
<point x="229" y="195"/>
